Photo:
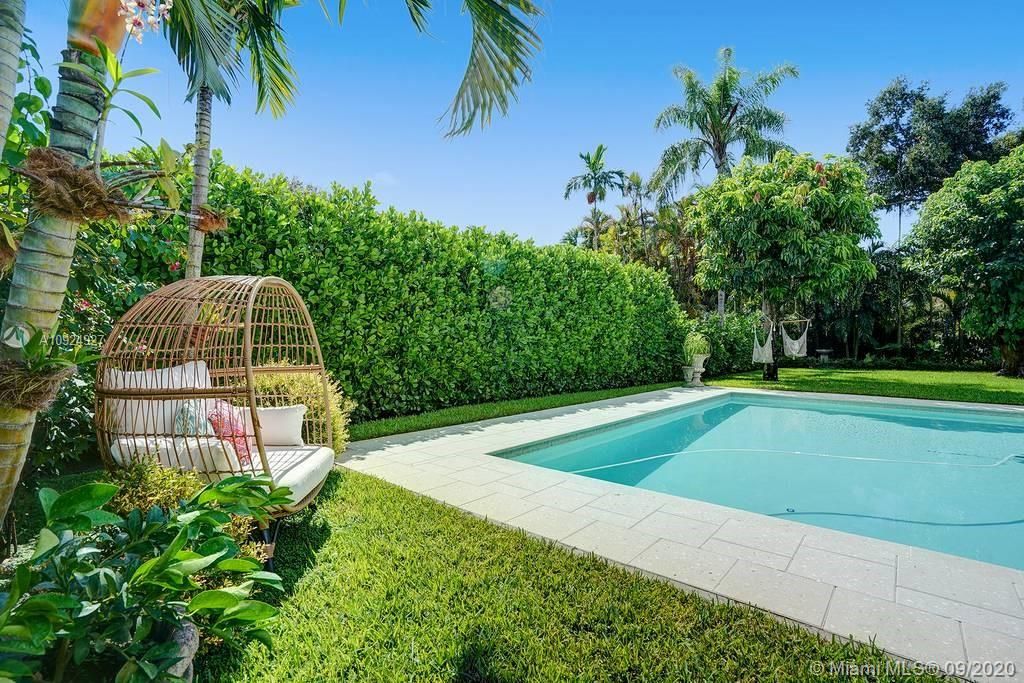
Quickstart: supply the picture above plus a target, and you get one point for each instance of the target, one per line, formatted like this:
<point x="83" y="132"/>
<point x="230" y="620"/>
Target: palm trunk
<point x="12" y="26"/>
<point x="722" y="169"/>
<point x="201" y="181"/>
<point x="43" y="262"/>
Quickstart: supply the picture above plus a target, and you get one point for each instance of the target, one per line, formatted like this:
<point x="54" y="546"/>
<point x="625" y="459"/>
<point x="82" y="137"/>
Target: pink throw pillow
<point x="229" y="425"/>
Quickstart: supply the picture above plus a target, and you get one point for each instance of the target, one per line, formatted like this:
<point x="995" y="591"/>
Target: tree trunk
<point x="12" y="26"/>
<point x="1013" y="359"/>
<point x="201" y="181"/>
<point x="899" y="287"/>
<point x="771" y="370"/>
<point x="43" y="262"/>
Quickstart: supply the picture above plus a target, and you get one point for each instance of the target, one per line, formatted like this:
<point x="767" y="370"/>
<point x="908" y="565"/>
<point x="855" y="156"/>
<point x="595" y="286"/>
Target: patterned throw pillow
<point x="229" y="425"/>
<point x="190" y="420"/>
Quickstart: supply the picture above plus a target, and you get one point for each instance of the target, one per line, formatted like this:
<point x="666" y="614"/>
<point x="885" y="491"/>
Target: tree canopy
<point x="970" y="238"/>
<point x="787" y="232"/>
<point x="912" y="140"/>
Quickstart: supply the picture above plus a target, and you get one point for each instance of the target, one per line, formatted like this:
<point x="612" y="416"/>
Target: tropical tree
<point x="912" y="141"/>
<point x="727" y="113"/>
<point x="596" y="179"/>
<point x="639" y="193"/>
<point x="595" y="224"/>
<point x="44" y="256"/>
<point x="12" y="27"/>
<point x="256" y="28"/>
<point x="969" y="238"/>
<point x="786" y="233"/>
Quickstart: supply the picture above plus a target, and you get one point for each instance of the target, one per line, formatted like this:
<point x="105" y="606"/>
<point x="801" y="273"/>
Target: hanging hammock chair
<point x="219" y="375"/>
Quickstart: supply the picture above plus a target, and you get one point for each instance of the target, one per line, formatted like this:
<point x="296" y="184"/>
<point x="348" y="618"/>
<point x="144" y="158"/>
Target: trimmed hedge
<point x="413" y="315"/>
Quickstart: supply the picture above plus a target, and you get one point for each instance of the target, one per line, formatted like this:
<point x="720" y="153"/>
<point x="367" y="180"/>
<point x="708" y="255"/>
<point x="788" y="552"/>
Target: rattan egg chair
<point x="220" y="375"/>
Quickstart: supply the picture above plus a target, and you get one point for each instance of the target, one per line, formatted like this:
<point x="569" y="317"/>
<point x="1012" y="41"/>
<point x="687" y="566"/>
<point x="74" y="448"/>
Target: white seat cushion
<point x="128" y="449"/>
<point x="207" y="455"/>
<point x="300" y="468"/>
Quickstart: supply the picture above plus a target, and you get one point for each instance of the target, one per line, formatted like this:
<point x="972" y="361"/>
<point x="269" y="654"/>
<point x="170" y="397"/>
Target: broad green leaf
<point x="80" y="499"/>
<point x="47" y="541"/>
<point x="212" y="599"/>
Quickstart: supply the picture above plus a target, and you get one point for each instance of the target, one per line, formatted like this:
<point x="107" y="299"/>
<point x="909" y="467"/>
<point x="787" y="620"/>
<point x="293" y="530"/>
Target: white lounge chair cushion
<point x="300" y="468"/>
<point x="151" y="416"/>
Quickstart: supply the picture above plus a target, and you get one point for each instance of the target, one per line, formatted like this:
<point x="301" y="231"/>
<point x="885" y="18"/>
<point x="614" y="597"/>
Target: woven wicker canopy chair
<point x="220" y="375"/>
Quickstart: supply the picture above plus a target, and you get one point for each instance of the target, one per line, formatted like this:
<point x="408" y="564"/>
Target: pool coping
<point x="916" y="604"/>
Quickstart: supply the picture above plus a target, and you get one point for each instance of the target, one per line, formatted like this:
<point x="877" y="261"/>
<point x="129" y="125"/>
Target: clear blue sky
<point x="372" y="91"/>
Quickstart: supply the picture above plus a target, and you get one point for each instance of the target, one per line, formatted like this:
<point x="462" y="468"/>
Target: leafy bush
<point x="101" y="588"/>
<point x="969" y="239"/>
<point x="731" y="341"/>
<point x="413" y="315"/>
<point x="146" y="484"/>
<point x="305" y="388"/>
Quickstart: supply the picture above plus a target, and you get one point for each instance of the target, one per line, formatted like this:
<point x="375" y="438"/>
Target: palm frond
<point x="502" y="44"/>
<point x="418" y="13"/>
<point x="677" y="161"/>
<point x="261" y="34"/>
<point x="202" y="35"/>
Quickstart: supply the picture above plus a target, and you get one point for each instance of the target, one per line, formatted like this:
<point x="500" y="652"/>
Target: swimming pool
<point x="950" y="480"/>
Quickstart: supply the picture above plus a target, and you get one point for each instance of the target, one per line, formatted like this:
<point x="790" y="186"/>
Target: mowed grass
<point x="980" y="387"/>
<point x="385" y="585"/>
<point x="485" y="411"/>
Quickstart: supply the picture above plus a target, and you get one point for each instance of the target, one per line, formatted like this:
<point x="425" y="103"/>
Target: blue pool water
<point x="949" y="480"/>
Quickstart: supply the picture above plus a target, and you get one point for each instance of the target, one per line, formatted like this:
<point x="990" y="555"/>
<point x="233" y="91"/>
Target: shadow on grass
<point x="299" y="539"/>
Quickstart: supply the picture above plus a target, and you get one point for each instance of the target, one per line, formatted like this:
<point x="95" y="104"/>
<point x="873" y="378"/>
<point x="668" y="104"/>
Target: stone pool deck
<point x="920" y="605"/>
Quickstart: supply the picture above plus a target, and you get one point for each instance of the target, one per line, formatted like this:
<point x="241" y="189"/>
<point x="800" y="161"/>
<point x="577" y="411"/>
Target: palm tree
<point x="596" y="180"/>
<point x="257" y="28"/>
<point x="639" y="193"/>
<point x="595" y="224"/>
<point x="728" y="112"/>
<point x="43" y="261"/>
<point x="12" y="27"/>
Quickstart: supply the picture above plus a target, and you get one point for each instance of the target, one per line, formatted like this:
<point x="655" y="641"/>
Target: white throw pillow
<point x="282" y="426"/>
<point x="153" y="416"/>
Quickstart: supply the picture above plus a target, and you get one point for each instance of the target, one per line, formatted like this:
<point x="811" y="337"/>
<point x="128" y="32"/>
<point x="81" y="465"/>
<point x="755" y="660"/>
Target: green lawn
<point x="484" y="411"/>
<point x="386" y="585"/>
<point x="981" y="387"/>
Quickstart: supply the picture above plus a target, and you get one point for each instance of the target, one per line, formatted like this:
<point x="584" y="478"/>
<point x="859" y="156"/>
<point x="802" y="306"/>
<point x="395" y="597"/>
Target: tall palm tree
<point x="12" y="27"/>
<point x="596" y="180"/>
<point x="731" y="111"/>
<point x="728" y="112"/>
<point x="256" y="28"/>
<point x="43" y="261"/>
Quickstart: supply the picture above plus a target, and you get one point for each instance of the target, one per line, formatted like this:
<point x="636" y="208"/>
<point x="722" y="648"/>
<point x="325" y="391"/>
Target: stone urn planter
<point x="698" y="369"/>
<point x="687" y="373"/>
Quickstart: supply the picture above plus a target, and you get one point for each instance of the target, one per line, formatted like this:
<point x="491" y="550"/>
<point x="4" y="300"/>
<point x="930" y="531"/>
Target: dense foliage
<point x="414" y="315"/>
<point x="786" y="233"/>
<point x="913" y="140"/>
<point x="970" y="238"/>
<point x="105" y="590"/>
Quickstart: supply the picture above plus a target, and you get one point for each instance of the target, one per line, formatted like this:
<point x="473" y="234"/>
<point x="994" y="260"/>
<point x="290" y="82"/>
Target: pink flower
<point x="83" y="305"/>
<point x="175" y="266"/>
